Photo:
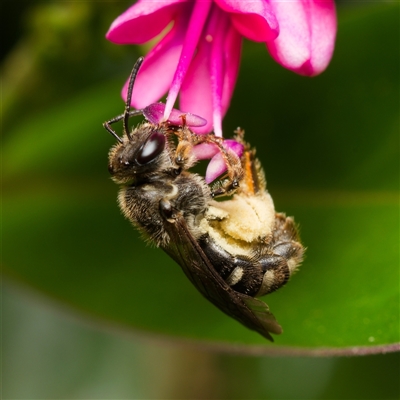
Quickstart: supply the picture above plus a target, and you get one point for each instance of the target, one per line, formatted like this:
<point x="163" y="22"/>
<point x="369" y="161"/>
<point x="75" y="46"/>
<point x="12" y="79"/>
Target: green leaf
<point x="329" y="146"/>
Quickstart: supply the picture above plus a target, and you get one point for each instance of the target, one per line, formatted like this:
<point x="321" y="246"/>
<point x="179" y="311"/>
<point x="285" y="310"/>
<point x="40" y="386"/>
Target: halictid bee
<point x="233" y="249"/>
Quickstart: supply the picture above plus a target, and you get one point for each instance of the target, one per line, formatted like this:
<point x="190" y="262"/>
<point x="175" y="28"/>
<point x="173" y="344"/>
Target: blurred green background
<point x="89" y="311"/>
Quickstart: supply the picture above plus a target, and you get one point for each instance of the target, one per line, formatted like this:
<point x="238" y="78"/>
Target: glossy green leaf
<point x="329" y="146"/>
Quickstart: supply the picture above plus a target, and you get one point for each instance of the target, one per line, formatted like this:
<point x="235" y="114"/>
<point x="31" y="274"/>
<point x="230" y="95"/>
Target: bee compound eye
<point x="153" y="147"/>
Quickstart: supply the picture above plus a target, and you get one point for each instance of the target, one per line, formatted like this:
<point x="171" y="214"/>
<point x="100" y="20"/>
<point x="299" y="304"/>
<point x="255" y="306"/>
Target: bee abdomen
<point x="254" y="276"/>
<point x="276" y="273"/>
<point x="292" y="251"/>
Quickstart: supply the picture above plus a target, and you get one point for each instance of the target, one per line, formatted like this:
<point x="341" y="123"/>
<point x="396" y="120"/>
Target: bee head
<point x="140" y="153"/>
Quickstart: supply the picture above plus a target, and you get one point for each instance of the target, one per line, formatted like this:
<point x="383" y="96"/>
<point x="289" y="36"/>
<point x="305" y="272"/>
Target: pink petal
<point x="143" y="21"/>
<point x="196" y="23"/>
<point x="154" y="113"/>
<point x="158" y="69"/>
<point x="191" y="120"/>
<point x="307" y="35"/>
<point x="205" y="151"/>
<point x="234" y="146"/>
<point x="253" y="19"/>
<point x="217" y="165"/>
<point x="203" y="90"/>
<point x="232" y="51"/>
<point x="215" y="168"/>
<point x="216" y="30"/>
<point x="195" y="94"/>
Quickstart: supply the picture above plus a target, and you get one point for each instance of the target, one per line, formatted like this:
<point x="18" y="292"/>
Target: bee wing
<point x="185" y="250"/>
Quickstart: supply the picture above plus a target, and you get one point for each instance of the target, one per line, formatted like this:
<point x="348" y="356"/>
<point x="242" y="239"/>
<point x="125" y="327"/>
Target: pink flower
<point x="307" y="31"/>
<point x="199" y="56"/>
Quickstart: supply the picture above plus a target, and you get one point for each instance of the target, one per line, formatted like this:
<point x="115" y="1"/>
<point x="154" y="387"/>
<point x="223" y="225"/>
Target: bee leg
<point x="107" y="124"/>
<point x="184" y="158"/>
<point x="225" y="188"/>
<point x="234" y="173"/>
<point x="234" y="168"/>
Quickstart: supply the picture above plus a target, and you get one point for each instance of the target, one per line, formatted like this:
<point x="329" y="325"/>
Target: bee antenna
<point x="132" y="78"/>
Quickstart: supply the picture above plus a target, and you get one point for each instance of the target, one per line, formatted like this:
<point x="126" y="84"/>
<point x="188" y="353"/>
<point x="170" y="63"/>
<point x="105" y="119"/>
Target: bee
<point x="234" y="250"/>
